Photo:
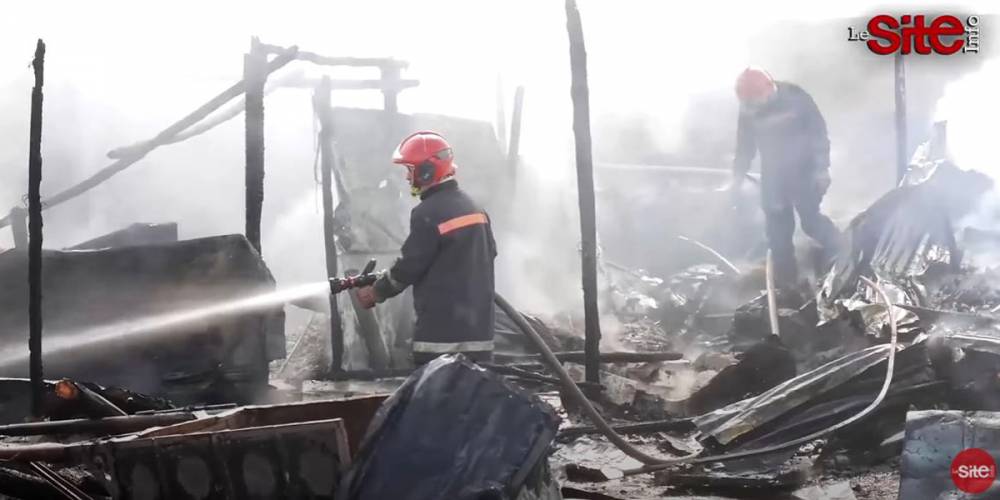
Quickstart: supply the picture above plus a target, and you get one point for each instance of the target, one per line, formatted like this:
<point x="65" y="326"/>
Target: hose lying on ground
<point x="652" y="463"/>
<point x="570" y="387"/>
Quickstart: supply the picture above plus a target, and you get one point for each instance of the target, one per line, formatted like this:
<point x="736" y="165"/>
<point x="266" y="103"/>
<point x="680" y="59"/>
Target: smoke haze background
<point x="661" y="77"/>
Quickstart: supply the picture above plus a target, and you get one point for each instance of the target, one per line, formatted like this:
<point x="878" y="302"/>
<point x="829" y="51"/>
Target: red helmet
<point x="754" y="85"/>
<point x="428" y="157"/>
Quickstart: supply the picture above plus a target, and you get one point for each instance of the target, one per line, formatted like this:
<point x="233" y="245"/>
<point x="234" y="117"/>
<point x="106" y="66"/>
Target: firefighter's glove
<point x="367" y="297"/>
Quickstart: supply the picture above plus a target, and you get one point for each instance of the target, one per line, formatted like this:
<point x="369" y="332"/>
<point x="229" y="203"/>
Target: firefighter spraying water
<point x="447" y="257"/>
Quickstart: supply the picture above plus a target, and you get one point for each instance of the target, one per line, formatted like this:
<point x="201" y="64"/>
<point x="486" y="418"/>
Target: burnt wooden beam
<point x="255" y="76"/>
<point x="302" y="55"/>
<point x="164" y="137"/>
<point x="323" y="110"/>
<point x="585" y="186"/>
<point x="383" y="85"/>
<point x="35" y="236"/>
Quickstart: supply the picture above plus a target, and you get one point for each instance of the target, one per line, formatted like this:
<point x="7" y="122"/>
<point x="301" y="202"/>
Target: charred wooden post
<point x="321" y="104"/>
<point x="390" y="90"/>
<point x="514" y="147"/>
<point x="585" y="186"/>
<point x="902" y="161"/>
<point x="19" y="226"/>
<point x="255" y="75"/>
<point x="35" y="235"/>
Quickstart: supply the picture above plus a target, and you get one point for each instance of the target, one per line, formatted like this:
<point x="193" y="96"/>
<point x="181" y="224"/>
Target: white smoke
<point x="970" y="107"/>
<point x="118" y="72"/>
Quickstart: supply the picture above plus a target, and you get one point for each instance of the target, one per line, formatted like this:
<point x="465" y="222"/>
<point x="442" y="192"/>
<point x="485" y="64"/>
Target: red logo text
<point x="973" y="470"/>
<point x="943" y="35"/>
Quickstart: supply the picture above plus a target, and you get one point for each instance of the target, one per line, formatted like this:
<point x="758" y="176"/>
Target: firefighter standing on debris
<point x="781" y="121"/>
<point x="447" y="258"/>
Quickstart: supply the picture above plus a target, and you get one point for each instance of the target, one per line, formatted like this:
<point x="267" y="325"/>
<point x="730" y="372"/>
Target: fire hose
<point x="653" y="463"/>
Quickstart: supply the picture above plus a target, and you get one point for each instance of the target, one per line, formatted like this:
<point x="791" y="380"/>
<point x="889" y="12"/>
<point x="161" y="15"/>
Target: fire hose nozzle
<point x="366" y="278"/>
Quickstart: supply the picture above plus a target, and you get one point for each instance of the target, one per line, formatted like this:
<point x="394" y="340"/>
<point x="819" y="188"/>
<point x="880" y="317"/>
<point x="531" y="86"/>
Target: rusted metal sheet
<point x="300" y="460"/>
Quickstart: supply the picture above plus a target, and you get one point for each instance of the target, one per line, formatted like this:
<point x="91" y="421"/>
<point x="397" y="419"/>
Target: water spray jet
<point x="162" y="324"/>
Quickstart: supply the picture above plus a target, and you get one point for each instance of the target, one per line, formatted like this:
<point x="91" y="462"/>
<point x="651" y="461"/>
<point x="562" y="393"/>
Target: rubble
<point x="759" y="389"/>
<point x="759" y="368"/>
<point x="948" y="350"/>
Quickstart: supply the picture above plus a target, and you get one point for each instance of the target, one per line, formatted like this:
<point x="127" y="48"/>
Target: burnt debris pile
<point x="765" y="403"/>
